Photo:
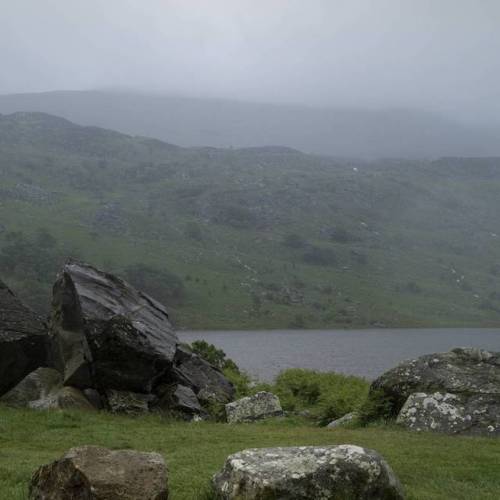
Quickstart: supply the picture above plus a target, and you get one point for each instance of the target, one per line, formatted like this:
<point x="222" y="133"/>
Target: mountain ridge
<point x="342" y="132"/>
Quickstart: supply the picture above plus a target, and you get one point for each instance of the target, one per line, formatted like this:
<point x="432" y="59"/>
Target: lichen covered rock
<point x="93" y="473"/>
<point x="305" y="473"/>
<point x="451" y="413"/>
<point x="461" y="371"/>
<point x="256" y="407"/>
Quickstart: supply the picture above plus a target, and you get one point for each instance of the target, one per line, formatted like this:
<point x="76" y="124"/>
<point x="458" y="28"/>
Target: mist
<point x="436" y="56"/>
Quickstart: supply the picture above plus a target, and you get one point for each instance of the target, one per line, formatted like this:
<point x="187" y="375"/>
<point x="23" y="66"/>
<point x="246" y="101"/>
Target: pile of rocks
<point x="107" y="345"/>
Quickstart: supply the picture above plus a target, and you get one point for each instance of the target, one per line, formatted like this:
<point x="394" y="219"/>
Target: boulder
<point x="464" y="371"/>
<point x="117" y="345"/>
<point x="23" y="340"/>
<point x="208" y="383"/>
<point x="42" y="389"/>
<point x="106" y="333"/>
<point x="453" y="414"/>
<point x="256" y="407"/>
<point x="130" y="403"/>
<point x="180" y="399"/>
<point x="307" y="472"/>
<point x="94" y="473"/>
<point x="345" y="420"/>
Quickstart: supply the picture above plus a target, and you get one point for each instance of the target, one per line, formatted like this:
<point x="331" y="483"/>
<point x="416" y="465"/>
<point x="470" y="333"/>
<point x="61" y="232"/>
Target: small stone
<point x="251" y="408"/>
<point x="346" y="419"/>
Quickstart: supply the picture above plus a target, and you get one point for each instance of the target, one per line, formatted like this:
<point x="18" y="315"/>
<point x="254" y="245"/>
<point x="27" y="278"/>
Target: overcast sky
<point x="438" y="54"/>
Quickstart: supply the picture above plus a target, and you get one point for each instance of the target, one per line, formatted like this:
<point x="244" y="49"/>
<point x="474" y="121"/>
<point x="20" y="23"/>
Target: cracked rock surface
<point x="256" y="407"/>
<point x="465" y="371"/>
<point x="307" y="472"/>
<point x="452" y="414"/>
<point x="94" y="473"/>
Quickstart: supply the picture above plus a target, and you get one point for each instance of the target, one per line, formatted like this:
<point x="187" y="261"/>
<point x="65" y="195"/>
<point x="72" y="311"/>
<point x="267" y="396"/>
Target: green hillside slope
<point x="252" y="238"/>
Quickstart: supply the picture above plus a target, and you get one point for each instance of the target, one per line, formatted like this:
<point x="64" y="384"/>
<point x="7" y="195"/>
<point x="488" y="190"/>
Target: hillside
<point x="255" y="237"/>
<point x="339" y="132"/>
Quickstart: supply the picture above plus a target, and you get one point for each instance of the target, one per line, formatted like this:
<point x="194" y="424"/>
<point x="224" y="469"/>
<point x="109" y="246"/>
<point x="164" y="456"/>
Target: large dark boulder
<point x="110" y="337"/>
<point x="107" y="334"/>
<point x="23" y="340"/>
<point x="461" y="371"/>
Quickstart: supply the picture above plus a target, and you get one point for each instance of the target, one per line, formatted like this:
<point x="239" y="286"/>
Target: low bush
<point x="325" y="395"/>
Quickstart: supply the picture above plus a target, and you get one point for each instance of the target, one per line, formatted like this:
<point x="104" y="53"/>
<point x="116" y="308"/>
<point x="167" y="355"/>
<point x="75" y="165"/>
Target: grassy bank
<point x="429" y="466"/>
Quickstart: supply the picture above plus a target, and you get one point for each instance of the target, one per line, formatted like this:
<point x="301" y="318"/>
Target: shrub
<point x="320" y="256"/>
<point x="294" y="240"/>
<point x="327" y="395"/>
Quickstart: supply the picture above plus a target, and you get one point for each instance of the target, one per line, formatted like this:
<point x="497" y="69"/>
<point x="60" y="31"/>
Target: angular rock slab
<point x="102" y="327"/>
<point x="347" y="419"/>
<point x="23" y="340"/>
<point x="93" y="473"/>
<point x="452" y="414"/>
<point x="251" y="408"/>
<point x="459" y="371"/>
<point x="42" y="389"/>
<point x="208" y="383"/>
<point x="306" y="473"/>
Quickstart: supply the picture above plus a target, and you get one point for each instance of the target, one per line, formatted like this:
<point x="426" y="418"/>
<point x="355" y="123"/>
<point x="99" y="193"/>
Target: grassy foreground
<point x="429" y="466"/>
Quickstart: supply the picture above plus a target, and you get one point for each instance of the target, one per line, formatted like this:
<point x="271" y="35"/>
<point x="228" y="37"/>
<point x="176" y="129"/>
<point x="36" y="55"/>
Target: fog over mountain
<point x="439" y="57"/>
<point x="341" y="132"/>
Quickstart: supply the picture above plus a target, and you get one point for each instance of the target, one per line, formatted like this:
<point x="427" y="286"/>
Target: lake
<point x="368" y="353"/>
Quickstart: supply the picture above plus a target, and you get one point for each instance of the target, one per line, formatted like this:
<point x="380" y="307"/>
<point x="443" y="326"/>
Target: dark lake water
<point x="367" y="353"/>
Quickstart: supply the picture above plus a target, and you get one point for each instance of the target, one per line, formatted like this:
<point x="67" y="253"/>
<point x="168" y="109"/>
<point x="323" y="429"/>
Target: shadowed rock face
<point x="42" y="389"/>
<point x="461" y="371"/>
<point x="93" y="473"/>
<point x="107" y="334"/>
<point x="307" y="472"/>
<point x="23" y="340"/>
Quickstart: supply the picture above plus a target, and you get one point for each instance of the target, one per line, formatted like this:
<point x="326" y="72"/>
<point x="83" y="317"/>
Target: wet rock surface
<point x="208" y="383"/>
<point x="452" y="414"/>
<point x="305" y="473"/>
<point x="117" y="344"/>
<point x="259" y="406"/>
<point x="102" y="326"/>
<point x="23" y="340"/>
<point x="461" y="371"/>
<point x="93" y="473"/>
<point x="42" y="389"/>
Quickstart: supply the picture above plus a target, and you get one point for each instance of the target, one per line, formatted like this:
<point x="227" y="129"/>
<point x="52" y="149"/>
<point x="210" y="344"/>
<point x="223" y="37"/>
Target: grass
<point x="429" y="466"/>
<point x="421" y="247"/>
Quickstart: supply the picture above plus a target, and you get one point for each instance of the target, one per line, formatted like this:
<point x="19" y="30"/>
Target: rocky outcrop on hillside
<point x="23" y="340"/>
<point x="457" y="391"/>
<point x="307" y="472"/>
<point x="112" y="345"/>
<point x="90" y="472"/>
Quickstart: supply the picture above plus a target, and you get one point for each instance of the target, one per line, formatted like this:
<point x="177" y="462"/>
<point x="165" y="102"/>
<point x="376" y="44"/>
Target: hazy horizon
<point x="439" y="57"/>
